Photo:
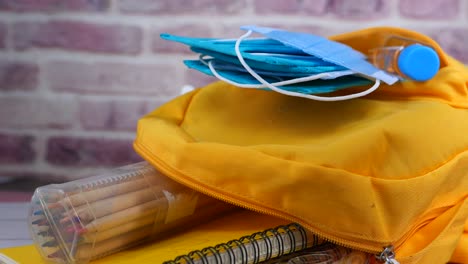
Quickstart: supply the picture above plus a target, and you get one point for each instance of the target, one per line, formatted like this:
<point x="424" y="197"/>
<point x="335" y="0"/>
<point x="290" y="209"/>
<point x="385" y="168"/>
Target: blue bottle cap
<point x="418" y="62"/>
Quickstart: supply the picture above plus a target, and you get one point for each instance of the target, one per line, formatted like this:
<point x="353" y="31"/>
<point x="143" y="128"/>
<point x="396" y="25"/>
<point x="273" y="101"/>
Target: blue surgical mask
<point x="281" y="65"/>
<point x="241" y="78"/>
<point x="286" y="58"/>
<point x="331" y="51"/>
<point x="271" y="64"/>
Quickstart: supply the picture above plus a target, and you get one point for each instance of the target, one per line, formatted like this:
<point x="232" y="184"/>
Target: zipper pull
<point x="387" y="256"/>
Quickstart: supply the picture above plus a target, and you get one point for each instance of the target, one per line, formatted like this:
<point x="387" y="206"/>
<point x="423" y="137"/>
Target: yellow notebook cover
<point x="219" y="230"/>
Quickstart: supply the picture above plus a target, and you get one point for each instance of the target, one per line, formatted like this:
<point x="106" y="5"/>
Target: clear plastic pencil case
<point x="78" y="221"/>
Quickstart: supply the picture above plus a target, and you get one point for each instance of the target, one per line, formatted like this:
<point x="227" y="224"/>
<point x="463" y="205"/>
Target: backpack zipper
<point x="383" y="254"/>
<point x="387" y="256"/>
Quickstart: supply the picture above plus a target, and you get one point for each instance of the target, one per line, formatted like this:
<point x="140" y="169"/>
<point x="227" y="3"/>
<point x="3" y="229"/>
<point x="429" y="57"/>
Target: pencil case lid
<point x="384" y="169"/>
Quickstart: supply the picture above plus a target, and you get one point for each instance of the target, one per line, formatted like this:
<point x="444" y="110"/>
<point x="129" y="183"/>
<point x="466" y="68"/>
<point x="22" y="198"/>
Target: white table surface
<point x="14" y="230"/>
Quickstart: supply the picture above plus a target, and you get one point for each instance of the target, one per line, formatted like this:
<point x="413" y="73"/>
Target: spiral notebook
<point x="218" y="231"/>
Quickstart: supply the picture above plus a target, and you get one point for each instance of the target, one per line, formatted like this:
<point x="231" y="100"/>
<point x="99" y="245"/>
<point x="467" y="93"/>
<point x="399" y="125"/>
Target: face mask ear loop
<point x="213" y="70"/>
<point x="308" y="96"/>
<point x="209" y="63"/>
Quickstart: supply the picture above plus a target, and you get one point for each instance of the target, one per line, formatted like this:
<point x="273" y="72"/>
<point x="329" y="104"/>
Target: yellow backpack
<point x="390" y="168"/>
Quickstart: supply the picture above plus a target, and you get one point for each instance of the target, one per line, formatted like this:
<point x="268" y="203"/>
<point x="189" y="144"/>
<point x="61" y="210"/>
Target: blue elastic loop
<point x="418" y="62"/>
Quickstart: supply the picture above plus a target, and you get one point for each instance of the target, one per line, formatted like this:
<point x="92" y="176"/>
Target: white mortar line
<point x="9" y="36"/>
<point x="82" y="134"/>
<point x="464" y="12"/>
<point x="243" y="18"/>
<point x="394" y="9"/>
<point x="55" y="170"/>
<point x="80" y="56"/>
<point x="40" y="145"/>
<point x="113" y="8"/>
<point x="144" y="97"/>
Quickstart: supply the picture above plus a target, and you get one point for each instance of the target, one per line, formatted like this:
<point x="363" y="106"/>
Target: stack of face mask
<point x="291" y="63"/>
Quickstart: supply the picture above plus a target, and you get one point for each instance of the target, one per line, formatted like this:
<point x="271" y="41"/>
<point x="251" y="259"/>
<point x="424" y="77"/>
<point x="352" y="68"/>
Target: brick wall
<point x="75" y="75"/>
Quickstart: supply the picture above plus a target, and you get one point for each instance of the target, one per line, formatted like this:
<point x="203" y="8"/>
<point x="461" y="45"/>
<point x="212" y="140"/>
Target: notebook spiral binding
<point x="255" y="248"/>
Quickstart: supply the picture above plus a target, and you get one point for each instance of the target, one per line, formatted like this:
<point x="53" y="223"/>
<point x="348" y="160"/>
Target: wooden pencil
<point x="159" y="206"/>
<point x="88" y="219"/>
<point x="149" y="220"/>
<point x="97" y="209"/>
<point x="98" y="193"/>
<point x="93" y="250"/>
<point x="124" y="216"/>
<point x="157" y="222"/>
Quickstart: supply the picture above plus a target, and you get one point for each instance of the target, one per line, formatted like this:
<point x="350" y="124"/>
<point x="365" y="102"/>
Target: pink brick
<point x="280" y="6"/>
<point x="315" y="7"/>
<point x="31" y="178"/>
<point x="164" y="46"/>
<point x="3" y="35"/>
<point x="232" y="30"/>
<point x="69" y="151"/>
<point x="15" y="149"/>
<point x="37" y="112"/>
<point x="18" y="76"/>
<point x="360" y="9"/>
<point x="15" y="196"/>
<point x="312" y="29"/>
<point x="54" y="5"/>
<point x="434" y="9"/>
<point x="80" y="36"/>
<point x="156" y="103"/>
<point x="112" y="114"/>
<point x="198" y="79"/>
<point x="108" y="77"/>
<point x="165" y="7"/>
<point x="312" y="7"/>
<point x="453" y="41"/>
